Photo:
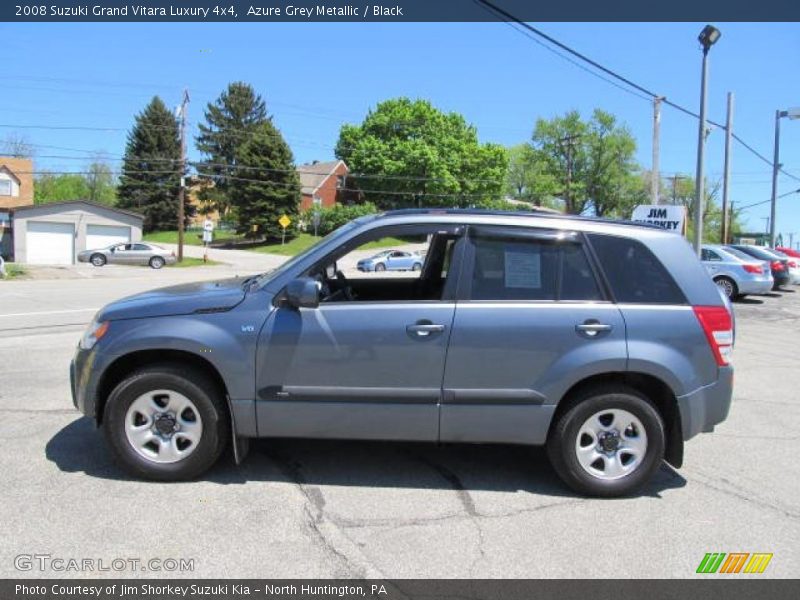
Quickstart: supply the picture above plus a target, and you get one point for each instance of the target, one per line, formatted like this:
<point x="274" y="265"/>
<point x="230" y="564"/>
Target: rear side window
<point x="531" y="269"/>
<point x="634" y="273"/>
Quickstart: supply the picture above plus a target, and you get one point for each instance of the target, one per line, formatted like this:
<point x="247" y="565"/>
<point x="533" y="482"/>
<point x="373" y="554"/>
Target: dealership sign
<point x="670" y="217"/>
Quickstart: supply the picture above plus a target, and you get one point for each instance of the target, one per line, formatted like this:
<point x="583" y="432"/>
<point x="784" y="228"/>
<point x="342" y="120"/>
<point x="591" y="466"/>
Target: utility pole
<point x="699" y="191"/>
<point x="730" y="223"/>
<point x="568" y="140"/>
<point x="654" y="175"/>
<point x="707" y="38"/>
<point x="776" y="167"/>
<point x="723" y="236"/>
<point x="182" y="188"/>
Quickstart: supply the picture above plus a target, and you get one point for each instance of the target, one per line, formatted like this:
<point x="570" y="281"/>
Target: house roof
<point x="314" y="175"/>
<point x="17" y="209"/>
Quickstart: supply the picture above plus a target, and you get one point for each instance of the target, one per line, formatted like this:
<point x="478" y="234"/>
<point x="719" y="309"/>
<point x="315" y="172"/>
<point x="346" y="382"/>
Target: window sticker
<point x="524" y="268"/>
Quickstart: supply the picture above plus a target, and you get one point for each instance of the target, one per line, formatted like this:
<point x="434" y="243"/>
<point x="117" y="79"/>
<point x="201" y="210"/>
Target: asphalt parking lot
<point x="301" y="508"/>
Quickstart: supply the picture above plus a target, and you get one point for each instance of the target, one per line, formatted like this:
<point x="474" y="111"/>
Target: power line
<point x="746" y="206"/>
<point x="649" y="95"/>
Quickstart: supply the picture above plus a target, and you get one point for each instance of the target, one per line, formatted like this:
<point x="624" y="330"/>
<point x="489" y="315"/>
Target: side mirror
<point x="303" y="292"/>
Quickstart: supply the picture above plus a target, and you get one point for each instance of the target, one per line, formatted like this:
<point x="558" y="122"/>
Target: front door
<point x="367" y="363"/>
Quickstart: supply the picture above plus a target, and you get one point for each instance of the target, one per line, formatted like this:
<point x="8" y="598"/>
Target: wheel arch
<point x="128" y="363"/>
<point x="648" y="385"/>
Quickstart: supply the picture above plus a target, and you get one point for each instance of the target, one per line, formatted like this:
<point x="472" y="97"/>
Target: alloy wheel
<point x="163" y="426"/>
<point x="611" y="444"/>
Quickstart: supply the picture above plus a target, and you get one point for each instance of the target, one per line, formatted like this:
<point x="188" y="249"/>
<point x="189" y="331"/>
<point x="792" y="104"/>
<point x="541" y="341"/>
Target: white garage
<point x="50" y="243"/>
<point x="100" y="236"/>
<point x="54" y="233"/>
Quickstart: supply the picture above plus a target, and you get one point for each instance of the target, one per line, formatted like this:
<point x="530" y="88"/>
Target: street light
<point x="707" y="38"/>
<point x="792" y="113"/>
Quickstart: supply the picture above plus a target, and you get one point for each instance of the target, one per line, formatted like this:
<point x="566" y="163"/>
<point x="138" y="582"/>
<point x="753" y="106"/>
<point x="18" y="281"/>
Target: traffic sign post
<point x="284" y="222"/>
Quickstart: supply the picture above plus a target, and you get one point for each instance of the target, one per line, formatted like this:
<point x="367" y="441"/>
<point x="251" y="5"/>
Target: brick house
<point x="327" y="183"/>
<point x="16" y="182"/>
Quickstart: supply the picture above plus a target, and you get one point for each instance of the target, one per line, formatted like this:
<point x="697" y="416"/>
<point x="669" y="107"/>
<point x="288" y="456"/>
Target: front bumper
<point x="706" y="407"/>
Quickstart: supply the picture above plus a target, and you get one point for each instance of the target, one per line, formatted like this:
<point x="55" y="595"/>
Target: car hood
<point x="184" y="299"/>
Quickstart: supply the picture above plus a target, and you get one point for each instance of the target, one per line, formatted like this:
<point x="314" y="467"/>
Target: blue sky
<point x="315" y="76"/>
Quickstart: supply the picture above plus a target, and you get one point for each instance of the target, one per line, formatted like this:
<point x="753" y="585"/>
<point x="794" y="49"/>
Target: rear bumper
<point x="706" y="407"/>
<point x="755" y="286"/>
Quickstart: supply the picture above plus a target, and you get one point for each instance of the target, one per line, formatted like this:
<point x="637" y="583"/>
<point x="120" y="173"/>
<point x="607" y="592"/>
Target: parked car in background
<point x="788" y="251"/>
<point x="734" y="275"/>
<point x="392" y="260"/>
<point x="792" y="262"/>
<point x="138" y="253"/>
<point x="778" y="266"/>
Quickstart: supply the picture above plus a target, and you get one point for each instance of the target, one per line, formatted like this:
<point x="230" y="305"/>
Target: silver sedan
<point x="138" y="253"/>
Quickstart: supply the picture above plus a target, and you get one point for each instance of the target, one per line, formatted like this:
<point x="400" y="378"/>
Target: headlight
<point x="93" y="334"/>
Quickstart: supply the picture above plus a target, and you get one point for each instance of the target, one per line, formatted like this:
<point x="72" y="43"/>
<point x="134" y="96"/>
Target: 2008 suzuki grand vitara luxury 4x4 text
<point x="605" y="341"/>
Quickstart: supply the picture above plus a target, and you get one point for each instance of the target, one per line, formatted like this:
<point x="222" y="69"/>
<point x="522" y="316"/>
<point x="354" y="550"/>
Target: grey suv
<point x="605" y="341"/>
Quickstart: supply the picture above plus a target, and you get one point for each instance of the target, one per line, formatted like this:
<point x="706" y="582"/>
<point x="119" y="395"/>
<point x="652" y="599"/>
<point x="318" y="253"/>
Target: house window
<point x="5" y="187"/>
<point x="339" y="182"/>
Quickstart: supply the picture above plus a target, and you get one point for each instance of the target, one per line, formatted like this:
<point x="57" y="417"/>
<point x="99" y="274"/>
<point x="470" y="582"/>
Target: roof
<point x="67" y="202"/>
<point x="314" y="175"/>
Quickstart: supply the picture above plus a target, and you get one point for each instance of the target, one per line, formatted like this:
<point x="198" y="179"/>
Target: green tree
<point x="50" y="187"/>
<point x="151" y="168"/>
<point x="527" y="178"/>
<point x="231" y="120"/>
<point x="408" y="153"/>
<point x="100" y="184"/>
<point x="264" y="185"/>
<point x="592" y="161"/>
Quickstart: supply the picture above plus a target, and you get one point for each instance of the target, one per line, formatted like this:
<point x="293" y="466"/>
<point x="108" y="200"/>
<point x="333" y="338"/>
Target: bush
<point x="335" y="216"/>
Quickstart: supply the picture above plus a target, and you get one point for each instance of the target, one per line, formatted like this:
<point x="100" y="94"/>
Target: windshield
<point x="331" y="237"/>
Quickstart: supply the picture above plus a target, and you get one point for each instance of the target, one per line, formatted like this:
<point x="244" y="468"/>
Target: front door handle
<point x="424" y="328"/>
<point x="592" y="328"/>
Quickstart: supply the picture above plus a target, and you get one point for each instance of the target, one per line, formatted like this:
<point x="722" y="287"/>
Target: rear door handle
<point x="592" y="328"/>
<point x="424" y="329"/>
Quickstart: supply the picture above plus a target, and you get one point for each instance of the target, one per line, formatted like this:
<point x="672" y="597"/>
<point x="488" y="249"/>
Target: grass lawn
<point x="190" y="238"/>
<point x="189" y="261"/>
<point x="13" y="270"/>
<point x="306" y="240"/>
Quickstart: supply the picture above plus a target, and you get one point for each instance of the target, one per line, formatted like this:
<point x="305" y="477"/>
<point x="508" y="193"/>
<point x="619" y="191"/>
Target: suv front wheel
<point x="166" y="422"/>
<point x="609" y="442"/>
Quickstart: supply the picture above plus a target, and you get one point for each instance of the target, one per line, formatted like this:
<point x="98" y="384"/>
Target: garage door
<point x="100" y="236"/>
<point x="50" y="243"/>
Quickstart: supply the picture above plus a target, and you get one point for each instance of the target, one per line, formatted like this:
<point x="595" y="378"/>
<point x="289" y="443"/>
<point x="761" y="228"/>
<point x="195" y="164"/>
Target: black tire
<point x="728" y="286"/>
<point x="157" y="262"/>
<point x="563" y="438"/>
<point x="196" y="386"/>
<point x="416" y="267"/>
<point x="380" y="267"/>
<point x="98" y="260"/>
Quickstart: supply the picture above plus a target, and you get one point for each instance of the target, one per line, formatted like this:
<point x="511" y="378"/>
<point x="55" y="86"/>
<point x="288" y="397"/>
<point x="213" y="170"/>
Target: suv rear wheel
<point x="166" y="423"/>
<point x="609" y="442"/>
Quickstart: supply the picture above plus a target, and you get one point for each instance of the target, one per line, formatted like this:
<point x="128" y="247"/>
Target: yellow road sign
<point x="284" y="221"/>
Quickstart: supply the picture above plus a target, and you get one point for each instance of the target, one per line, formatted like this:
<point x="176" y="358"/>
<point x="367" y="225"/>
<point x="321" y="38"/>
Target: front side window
<point x="508" y="268"/>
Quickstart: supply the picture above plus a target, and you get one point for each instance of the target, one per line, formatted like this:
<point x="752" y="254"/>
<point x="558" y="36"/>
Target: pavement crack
<point x="724" y="486"/>
<point x="316" y="518"/>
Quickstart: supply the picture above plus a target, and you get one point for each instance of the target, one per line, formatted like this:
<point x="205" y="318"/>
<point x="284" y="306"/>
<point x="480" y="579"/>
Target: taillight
<point x="776" y="265"/>
<point x="718" y="326"/>
<point x="752" y="268"/>
<point x="792" y="264"/>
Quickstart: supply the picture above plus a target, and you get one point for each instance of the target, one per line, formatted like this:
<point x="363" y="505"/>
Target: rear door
<point x="531" y="319"/>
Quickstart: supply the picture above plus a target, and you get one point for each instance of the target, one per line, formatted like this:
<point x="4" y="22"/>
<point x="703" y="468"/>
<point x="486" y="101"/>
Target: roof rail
<point x="512" y="213"/>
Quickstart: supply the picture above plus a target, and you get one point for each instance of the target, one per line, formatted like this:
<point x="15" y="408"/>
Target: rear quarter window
<point x="633" y="272"/>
